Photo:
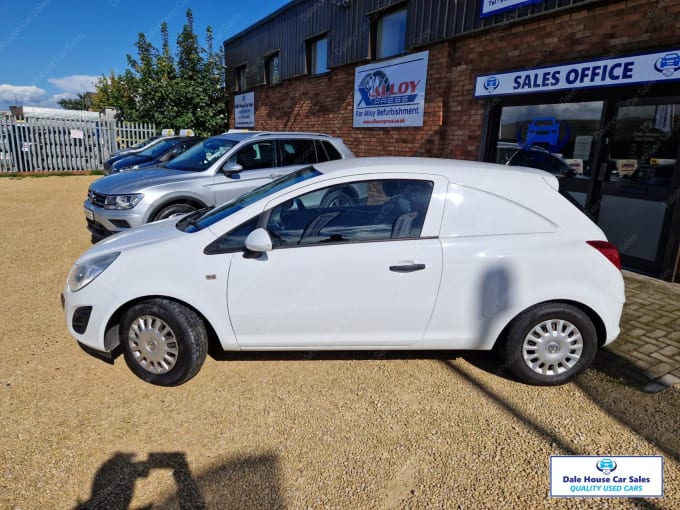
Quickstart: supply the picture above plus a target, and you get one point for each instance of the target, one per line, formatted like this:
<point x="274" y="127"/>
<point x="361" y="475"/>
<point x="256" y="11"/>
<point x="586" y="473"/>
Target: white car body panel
<point x="359" y="304"/>
<point x="495" y="241"/>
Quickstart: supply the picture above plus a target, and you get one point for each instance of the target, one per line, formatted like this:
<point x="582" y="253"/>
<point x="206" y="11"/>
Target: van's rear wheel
<point x="163" y="342"/>
<point x="550" y="344"/>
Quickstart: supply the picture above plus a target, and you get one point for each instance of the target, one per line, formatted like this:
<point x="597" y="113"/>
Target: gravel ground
<point x="308" y="430"/>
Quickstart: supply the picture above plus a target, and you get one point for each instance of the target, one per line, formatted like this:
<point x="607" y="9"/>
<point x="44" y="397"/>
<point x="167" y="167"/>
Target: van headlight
<point x="122" y="201"/>
<point x="82" y="274"/>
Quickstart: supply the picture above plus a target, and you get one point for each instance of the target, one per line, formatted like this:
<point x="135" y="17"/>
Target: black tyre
<point x="549" y="344"/>
<point x="173" y="210"/>
<point x="338" y="198"/>
<point x="163" y="342"/>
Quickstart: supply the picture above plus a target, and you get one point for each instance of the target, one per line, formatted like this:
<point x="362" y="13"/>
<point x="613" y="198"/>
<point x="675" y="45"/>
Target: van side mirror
<point x="258" y="241"/>
<point x="232" y="170"/>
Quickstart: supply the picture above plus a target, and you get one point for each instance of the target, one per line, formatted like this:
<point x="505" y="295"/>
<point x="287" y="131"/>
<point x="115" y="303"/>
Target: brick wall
<point x="453" y="119"/>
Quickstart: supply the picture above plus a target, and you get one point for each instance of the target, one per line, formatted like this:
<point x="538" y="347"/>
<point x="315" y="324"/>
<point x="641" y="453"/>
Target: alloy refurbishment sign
<point x="651" y="67"/>
<point x="491" y="7"/>
<point x="590" y="476"/>
<point x="391" y="93"/>
<point x="244" y="110"/>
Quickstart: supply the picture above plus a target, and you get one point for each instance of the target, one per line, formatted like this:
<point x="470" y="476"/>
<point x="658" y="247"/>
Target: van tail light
<point x="608" y="250"/>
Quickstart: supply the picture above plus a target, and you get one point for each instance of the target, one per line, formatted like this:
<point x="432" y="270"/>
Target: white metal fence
<point x="52" y="145"/>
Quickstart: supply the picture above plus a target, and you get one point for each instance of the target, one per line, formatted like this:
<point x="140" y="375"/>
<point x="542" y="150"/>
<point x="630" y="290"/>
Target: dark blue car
<point x="155" y="155"/>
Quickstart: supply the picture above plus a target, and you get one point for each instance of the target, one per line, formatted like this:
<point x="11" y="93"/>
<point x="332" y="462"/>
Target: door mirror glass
<point x="259" y="241"/>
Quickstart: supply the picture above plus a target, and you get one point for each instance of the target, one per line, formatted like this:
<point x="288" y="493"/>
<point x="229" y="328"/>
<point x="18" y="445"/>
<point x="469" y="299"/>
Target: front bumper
<point x="87" y="314"/>
<point x="105" y="222"/>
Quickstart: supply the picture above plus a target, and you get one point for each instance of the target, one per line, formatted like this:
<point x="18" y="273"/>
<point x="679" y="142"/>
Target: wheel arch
<point x="184" y="199"/>
<point x="597" y="321"/>
<point x="112" y="332"/>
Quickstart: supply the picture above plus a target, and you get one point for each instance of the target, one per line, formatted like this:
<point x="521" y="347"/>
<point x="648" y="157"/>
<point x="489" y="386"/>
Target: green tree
<point x="80" y="102"/>
<point x="184" y="89"/>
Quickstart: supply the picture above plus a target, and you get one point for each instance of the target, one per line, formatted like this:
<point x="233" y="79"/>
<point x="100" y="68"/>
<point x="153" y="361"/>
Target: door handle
<point x="407" y="268"/>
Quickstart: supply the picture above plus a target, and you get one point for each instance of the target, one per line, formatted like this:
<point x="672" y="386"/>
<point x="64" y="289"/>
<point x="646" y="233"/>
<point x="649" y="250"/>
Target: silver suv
<point x="211" y="172"/>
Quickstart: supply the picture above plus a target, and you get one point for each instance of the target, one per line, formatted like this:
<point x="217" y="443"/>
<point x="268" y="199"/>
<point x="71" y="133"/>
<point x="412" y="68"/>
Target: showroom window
<point x="559" y="138"/>
<point x="317" y="55"/>
<point x="390" y="34"/>
<point x="352" y="212"/>
<point x="272" y="67"/>
<point x="241" y="81"/>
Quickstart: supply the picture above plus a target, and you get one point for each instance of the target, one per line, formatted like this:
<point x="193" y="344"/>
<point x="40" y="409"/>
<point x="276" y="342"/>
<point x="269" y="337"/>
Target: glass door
<point x="638" y="173"/>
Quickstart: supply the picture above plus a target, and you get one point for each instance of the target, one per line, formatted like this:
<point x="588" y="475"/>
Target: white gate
<point x="52" y="145"/>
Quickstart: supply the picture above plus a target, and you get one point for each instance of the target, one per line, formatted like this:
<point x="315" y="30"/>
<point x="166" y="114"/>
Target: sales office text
<point x="575" y="75"/>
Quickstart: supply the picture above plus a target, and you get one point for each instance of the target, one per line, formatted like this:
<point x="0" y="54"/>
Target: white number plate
<point x="89" y="214"/>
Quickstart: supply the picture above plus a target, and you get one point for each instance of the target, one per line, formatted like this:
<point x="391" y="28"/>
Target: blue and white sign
<point x="391" y="93"/>
<point x="589" y="476"/>
<point x="652" y="67"/>
<point x="491" y="7"/>
<point x="244" y="110"/>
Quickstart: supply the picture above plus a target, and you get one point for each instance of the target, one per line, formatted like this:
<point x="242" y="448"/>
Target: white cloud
<point x="21" y="94"/>
<point x="76" y="83"/>
<point x="63" y="95"/>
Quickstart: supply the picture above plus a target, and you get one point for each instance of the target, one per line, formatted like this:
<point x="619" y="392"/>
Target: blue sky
<point x="57" y="48"/>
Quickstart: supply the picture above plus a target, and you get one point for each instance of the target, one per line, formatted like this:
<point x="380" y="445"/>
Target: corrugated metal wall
<point x="348" y="26"/>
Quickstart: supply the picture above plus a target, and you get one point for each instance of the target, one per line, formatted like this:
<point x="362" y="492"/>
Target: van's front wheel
<point x="550" y="344"/>
<point x="163" y="342"/>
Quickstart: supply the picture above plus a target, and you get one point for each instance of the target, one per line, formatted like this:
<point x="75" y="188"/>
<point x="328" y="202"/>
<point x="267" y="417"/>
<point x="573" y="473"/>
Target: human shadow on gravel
<point x="545" y="433"/>
<point x="250" y="481"/>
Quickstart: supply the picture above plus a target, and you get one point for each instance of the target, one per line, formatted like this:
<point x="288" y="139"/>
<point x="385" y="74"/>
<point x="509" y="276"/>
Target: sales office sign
<point x="651" y="67"/>
<point x="589" y="476"/>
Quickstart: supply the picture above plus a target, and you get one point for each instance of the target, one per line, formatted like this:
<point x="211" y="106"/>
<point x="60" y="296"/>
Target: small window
<point x="317" y="56"/>
<point x="234" y="240"/>
<point x="390" y="34"/>
<point x="331" y="151"/>
<point x="298" y="152"/>
<point x="241" y="81"/>
<point x="353" y="212"/>
<point x="273" y="69"/>
<point x="255" y="156"/>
